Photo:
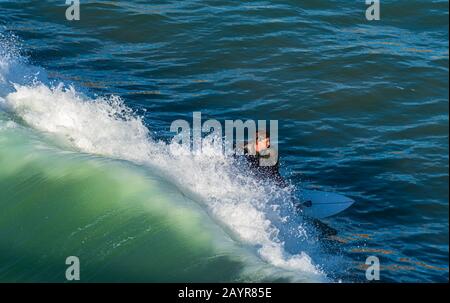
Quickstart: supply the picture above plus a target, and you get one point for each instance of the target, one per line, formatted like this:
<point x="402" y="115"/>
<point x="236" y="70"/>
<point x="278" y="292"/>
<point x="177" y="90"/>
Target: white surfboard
<point x="319" y="204"/>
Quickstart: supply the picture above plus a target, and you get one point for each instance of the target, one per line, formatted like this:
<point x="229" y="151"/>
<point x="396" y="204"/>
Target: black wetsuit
<point x="264" y="172"/>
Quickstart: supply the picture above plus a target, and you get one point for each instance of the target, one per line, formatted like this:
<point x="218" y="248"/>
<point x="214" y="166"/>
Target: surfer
<point x="263" y="161"/>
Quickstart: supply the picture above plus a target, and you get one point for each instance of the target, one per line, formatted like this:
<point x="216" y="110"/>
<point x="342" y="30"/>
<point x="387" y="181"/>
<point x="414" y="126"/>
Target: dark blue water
<point x="362" y="106"/>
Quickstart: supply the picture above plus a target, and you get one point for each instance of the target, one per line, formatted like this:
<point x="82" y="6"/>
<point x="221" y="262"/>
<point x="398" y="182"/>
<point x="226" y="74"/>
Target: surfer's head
<point x="262" y="141"/>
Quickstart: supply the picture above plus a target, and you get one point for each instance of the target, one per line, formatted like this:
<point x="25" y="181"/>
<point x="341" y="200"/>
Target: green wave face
<point x="123" y="223"/>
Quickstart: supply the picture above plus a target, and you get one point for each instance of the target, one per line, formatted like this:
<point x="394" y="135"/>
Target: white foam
<point x="253" y="212"/>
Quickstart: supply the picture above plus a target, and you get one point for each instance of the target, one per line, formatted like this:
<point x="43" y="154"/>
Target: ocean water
<point x="87" y="167"/>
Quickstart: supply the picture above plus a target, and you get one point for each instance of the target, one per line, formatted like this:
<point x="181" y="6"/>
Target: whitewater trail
<point x="257" y="214"/>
